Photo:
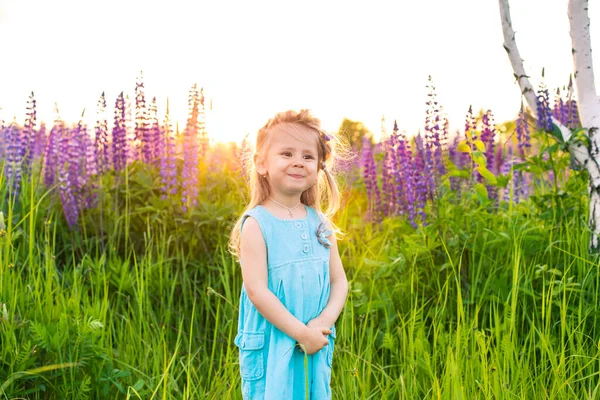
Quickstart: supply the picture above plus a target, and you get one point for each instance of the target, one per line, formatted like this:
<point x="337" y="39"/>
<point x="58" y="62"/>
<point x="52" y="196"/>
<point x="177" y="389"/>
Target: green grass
<point x="141" y="302"/>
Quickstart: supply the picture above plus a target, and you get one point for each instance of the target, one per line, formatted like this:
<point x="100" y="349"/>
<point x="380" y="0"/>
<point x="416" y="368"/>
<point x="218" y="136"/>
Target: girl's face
<point x="291" y="161"/>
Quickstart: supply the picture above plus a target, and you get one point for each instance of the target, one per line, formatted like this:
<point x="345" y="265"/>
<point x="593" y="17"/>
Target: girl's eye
<point x="309" y="157"/>
<point x="287" y="154"/>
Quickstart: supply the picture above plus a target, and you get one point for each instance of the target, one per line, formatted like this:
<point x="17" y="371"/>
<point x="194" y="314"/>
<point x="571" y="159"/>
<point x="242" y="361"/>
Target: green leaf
<point x="463" y="147"/>
<point x="480" y="145"/>
<point x="461" y="173"/>
<point x="487" y="174"/>
<point x="479" y="158"/>
<point x="372" y="263"/>
<point x="121" y="374"/>
<point x="138" y="385"/>
<point x="502" y="180"/>
<point x="120" y="387"/>
<point x="482" y="192"/>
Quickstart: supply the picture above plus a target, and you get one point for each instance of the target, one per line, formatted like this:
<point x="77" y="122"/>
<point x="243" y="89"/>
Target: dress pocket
<point x="252" y="364"/>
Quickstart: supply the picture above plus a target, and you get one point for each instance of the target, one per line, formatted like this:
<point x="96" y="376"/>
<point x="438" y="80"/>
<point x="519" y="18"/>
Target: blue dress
<point x="271" y="365"/>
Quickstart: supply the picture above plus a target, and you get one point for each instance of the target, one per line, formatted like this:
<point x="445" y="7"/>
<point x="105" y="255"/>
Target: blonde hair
<point x="328" y="145"/>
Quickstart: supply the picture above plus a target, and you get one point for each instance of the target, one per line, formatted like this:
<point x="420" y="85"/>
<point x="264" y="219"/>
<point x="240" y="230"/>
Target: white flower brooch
<point x="322" y="233"/>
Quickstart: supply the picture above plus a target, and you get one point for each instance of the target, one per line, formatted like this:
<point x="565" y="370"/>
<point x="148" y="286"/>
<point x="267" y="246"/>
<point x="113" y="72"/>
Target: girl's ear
<point x="260" y="165"/>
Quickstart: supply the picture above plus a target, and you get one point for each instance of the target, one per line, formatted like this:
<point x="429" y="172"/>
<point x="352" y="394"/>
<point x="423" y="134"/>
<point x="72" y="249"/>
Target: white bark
<point x="589" y="105"/>
<point x="588" y="101"/>
<point x="510" y="45"/>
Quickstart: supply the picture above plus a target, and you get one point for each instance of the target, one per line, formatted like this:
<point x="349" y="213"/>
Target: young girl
<point x="294" y="284"/>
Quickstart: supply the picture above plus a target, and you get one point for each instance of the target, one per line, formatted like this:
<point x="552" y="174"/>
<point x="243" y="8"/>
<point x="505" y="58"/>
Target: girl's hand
<point x="316" y="323"/>
<point x="314" y="339"/>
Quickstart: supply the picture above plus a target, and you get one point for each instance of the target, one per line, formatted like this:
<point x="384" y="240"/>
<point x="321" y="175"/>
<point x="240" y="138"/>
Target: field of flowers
<point x="466" y="252"/>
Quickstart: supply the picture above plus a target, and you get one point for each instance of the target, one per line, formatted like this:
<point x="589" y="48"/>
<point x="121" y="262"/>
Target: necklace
<point x="287" y="208"/>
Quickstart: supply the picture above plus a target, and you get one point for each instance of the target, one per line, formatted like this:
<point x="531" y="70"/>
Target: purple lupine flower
<point x="544" y="113"/>
<point x="443" y="143"/>
<point x="119" y="136"/>
<point x="488" y="134"/>
<point x="370" y="179"/>
<point x="52" y="152"/>
<point x="74" y="158"/>
<point x="133" y="145"/>
<point x="392" y="188"/>
<point x="202" y="132"/>
<point x="572" y="109"/>
<point x="65" y="160"/>
<point x="397" y="183"/>
<point x="522" y="128"/>
<point x="573" y="120"/>
<point x="429" y="173"/>
<point x="419" y="171"/>
<point x="470" y="122"/>
<point x="63" y="147"/>
<point x="2" y="139"/>
<point x="523" y="185"/>
<point x="39" y="143"/>
<point x="386" y="180"/>
<point x="28" y="134"/>
<point x="470" y="127"/>
<point x="456" y="158"/>
<point x="453" y="153"/>
<point x="102" y="140"/>
<point x="404" y="177"/>
<point x="559" y="111"/>
<point x="388" y="174"/>
<point x="190" y="153"/>
<point x="498" y="159"/>
<point x="168" y="168"/>
<point x="156" y="133"/>
<point x="90" y="169"/>
<point x="142" y="128"/>
<point x="14" y="158"/>
<point x="517" y="182"/>
<point x="68" y="201"/>
<point x="434" y="126"/>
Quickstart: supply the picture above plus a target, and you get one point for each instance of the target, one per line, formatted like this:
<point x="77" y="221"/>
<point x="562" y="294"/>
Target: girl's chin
<point x="293" y="190"/>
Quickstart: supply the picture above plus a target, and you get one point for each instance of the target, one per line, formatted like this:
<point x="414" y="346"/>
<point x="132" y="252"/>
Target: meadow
<point x="468" y="262"/>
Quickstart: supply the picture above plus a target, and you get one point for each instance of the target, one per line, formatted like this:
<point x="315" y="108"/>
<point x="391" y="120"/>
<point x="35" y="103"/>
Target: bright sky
<point x="354" y="59"/>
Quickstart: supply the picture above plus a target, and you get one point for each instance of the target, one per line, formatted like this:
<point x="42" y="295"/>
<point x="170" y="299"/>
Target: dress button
<point x="298" y="225"/>
<point x="305" y="248"/>
<point x="304" y="236"/>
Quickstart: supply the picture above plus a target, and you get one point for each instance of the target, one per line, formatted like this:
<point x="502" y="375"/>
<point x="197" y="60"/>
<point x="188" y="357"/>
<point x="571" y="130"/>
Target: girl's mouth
<point x="297" y="176"/>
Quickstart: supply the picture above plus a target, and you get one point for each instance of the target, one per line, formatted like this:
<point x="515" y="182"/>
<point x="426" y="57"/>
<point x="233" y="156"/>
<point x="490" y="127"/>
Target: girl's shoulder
<point x="256" y="214"/>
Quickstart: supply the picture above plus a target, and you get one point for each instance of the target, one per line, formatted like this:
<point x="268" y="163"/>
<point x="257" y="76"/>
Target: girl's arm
<point x="339" y="287"/>
<point x="253" y="258"/>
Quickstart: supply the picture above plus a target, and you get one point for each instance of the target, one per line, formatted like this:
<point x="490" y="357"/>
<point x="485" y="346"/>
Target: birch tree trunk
<point x="586" y="154"/>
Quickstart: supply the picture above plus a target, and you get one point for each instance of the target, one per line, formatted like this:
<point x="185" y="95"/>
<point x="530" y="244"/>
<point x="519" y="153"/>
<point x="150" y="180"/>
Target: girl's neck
<point x="282" y="201"/>
<point x="285" y="210"/>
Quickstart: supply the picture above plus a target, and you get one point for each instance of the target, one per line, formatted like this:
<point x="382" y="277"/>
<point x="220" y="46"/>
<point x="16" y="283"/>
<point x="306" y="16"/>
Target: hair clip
<point x="326" y="136"/>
